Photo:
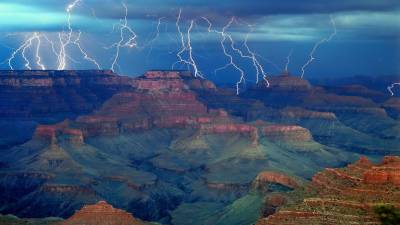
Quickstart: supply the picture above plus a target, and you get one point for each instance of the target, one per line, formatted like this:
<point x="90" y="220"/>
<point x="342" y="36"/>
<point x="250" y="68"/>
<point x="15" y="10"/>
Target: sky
<point x="358" y="37"/>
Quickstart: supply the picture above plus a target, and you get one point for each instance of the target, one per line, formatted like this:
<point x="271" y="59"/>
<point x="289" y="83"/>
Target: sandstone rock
<point x="264" y="178"/>
<point x="245" y="129"/>
<point x="386" y="173"/>
<point x="301" y="113"/>
<point x="101" y="213"/>
<point x="154" y="74"/>
<point x="43" y="95"/>
<point x="272" y="203"/>
<point x="287" y="82"/>
<point x="286" y="133"/>
<point x="71" y="189"/>
<point x="50" y="133"/>
<point x="345" y="196"/>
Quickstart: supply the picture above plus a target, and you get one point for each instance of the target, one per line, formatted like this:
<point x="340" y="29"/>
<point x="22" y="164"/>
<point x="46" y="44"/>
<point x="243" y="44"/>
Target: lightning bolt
<point x="391" y="87"/>
<point x="38" y="58"/>
<point x="231" y="62"/>
<point x="28" y="45"/>
<point x="130" y="43"/>
<point x="67" y="39"/>
<point x="52" y="45"/>
<point x="85" y="55"/>
<point x="23" y="48"/>
<point x="64" y="42"/>
<point x="288" y="60"/>
<point x="257" y="65"/>
<point x="316" y="46"/>
<point x="157" y="35"/>
<point x="157" y="32"/>
<point x="251" y="55"/>
<point x="192" y="61"/>
<point x="186" y="47"/>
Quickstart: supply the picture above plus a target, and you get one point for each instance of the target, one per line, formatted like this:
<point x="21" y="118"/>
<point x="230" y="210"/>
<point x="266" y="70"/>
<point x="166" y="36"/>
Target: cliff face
<point x="101" y="213"/>
<point x="164" y="140"/>
<point x="264" y="178"/>
<point x="50" y="133"/>
<point x="345" y="196"/>
<point x="56" y="94"/>
<point x="159" y="99"/>
<point x="286" y="82"/>
<point x="286" y="133"/>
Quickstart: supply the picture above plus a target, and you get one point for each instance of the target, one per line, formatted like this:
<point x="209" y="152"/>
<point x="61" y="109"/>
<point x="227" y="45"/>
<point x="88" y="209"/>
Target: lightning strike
<point x="151" y="42"/>
<point x="251" y="55"/>
<point x="288" y="61"/>
<point x="316" y="46"/>
<point x="130" y="43"/>
<point x="391" y="87"/>
<point x="186" y="47"/>
<point x="65" y="41"/>
<point x="157" y="32"/>
<point x="23" y="48"/>
<point x="28" y="45"/>
<point x="53" y="49"/>
<point x="231" y="62"/>
<point x="38" y="58"/>
<point x="257" y="65"/>
<point x="85" y="55"/>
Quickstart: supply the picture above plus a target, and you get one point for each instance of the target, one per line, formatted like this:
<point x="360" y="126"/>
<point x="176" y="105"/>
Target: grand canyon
<point x="95" y="147"/>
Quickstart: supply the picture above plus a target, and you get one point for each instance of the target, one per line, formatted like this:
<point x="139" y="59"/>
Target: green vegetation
<point x="388" y="214"/>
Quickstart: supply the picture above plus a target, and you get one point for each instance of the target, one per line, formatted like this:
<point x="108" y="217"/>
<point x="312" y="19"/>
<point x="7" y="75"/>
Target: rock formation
<point x="264" y="178"/>
<point x="286" y="133"/>
<point x="287" y="82"/>
<point x="50" y="133"/>
<point x="160" y="99"/>
<point x="345" y="196"/>
<point x="101" y="213"/>
<point x="44" y="95"/>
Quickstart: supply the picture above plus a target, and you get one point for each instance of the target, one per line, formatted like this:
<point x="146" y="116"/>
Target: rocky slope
<point x="166" y="144"/>
<point x="31" y="97"/>
<point x="101" y="213"/>
<point x="345" y="112"/>
<point x="54" y="94"/>
<point x="345" y="196"/>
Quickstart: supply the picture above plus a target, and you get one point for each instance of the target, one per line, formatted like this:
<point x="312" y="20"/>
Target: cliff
<point x="49" y="95"/>
<point x="345" y="196"/>
<point x="101" y="213"/>
<point x="264" y="178"/>
<point x="286" y="82"/>
<point x="159" y="99"/>
<point x="286" y="133"/>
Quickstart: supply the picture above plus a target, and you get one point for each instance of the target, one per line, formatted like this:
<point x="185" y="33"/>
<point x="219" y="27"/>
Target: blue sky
<point x="367" y="40"/>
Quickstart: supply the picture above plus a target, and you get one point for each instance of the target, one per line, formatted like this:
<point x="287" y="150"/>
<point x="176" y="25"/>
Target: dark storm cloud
<point x="248" y="9"/>
<point x="241" y="8"/>
<point x="288" y="22"/>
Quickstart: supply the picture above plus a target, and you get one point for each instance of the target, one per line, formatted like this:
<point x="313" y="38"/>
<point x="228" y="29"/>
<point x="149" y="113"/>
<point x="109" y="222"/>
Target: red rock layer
<point x="287" y="82"/>
<point x="51" y="78"/>
<point x="286" y="133"/>
<point x="71" y="189"/>
<point x="101" y="214"/>
<point x="245" y="129"/>
<point x="266" y="177"/>
<point x="54" y="95"/>
<point x="160" y="99"/>
<point x="345" y="196"/>
<point x="50" y="133"/>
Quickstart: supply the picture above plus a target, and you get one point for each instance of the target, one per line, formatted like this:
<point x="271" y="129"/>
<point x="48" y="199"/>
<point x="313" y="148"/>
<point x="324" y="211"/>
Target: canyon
<point x="165" y="144"/>
<point x="345" y="195"/>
